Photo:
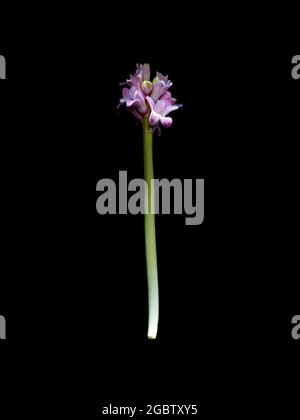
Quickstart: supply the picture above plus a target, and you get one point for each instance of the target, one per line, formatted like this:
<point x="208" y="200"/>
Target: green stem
<point x="150" y="237"/>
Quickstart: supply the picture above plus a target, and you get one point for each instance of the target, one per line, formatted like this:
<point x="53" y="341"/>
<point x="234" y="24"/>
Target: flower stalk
<point x="150" y="103"/>
<point x="150" y="234"/>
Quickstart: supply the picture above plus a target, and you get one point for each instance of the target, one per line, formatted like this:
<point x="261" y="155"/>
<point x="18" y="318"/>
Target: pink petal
<point x="142" y="107"/>
<point x="151" y="102"/>
<point x="166" y="96"/>
<point x="154" y="118"/>
<point x="125" y="92"/>
<point x="132" y="92"/>
<point x="161" y="76"/>
<point x="169" y="109"/>
<point x="157" y="90"/>
<point x="159" y="106"/>
<point x="166" y="121"/>
<point x="130" y="103"/>
<point x="146" y="72"/>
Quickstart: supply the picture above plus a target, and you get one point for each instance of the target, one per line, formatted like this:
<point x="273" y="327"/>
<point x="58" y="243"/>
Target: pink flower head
<point x="146" y="99"/>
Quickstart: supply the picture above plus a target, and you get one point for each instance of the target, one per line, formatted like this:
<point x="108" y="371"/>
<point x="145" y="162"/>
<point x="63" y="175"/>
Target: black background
<point x="74" y="284"/>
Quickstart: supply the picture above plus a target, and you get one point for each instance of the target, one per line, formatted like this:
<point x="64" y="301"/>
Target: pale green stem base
<point x="150" y="237"/>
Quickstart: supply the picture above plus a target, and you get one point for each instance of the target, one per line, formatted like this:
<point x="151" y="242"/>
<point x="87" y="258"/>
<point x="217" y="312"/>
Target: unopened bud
<point x="146" y="71"/>
<point x="146" y="87"/>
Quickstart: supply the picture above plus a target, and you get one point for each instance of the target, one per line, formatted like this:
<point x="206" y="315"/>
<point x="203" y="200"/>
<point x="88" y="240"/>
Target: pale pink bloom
<point x="149" y="99"/>
<point x="160" y="109"/>
<point x="134" y="97"/>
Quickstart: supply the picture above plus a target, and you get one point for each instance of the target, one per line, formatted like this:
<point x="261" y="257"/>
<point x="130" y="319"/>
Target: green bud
<point x="146" y="87"/>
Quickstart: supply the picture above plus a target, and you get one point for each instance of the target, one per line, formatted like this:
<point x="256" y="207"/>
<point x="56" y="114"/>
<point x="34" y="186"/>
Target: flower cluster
<point x="152" y="100"/>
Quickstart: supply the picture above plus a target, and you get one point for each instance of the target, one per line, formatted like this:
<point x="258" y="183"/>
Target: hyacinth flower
<point x="151" y="103"/>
